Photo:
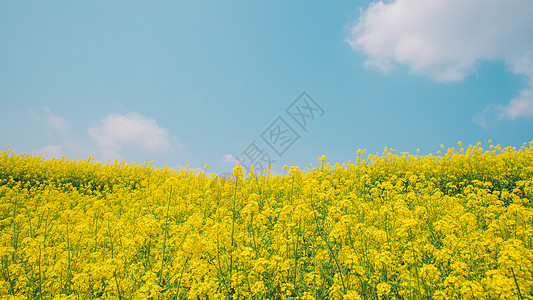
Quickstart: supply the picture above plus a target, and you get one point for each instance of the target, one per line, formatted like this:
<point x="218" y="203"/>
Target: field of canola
<point x="455" y="225"/>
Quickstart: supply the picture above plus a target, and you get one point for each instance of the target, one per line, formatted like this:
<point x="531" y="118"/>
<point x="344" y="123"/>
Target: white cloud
<point x="447" y="40"/>
<point x="521" y="106"/>
<point x="132" y="129"/>
<point x="50" y="150"/>
<point x="54" y="121"/>
<point x="111" y="155"/>
<point x="230" y="158"/>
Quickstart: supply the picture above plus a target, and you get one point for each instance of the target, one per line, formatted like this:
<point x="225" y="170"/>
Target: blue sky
<point x="195" y="82"/>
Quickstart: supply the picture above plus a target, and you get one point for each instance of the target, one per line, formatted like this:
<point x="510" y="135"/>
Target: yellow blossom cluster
<point x="455" y="225"/>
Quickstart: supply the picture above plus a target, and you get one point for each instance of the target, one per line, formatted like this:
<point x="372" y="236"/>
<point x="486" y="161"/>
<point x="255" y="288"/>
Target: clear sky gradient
<point x="196" y="82"/>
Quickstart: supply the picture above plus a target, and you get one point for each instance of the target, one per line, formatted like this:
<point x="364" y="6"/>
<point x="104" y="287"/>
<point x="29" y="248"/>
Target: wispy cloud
<point x="447" y="39"/>
<point x="133" y="130"/>
<point x="110" y="154"/>
<point x="54" y="121"/>
<point x="230" y="158"/>
<point x="49" y="151"/>
<point x="521" y="106"/>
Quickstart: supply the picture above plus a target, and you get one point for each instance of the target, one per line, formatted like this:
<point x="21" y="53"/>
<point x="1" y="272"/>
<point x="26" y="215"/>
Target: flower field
<point x="454" y="225"/>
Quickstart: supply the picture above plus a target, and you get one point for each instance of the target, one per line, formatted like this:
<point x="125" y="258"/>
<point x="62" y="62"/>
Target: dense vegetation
<point x="458" y="224"/>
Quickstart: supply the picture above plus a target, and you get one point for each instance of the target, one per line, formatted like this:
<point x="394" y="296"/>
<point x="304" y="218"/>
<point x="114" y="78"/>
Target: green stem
<point x="181" y="276"/>
<point x="219" y="269"/>
<point x="68" y="252"/>
<point x="165" y="240"/>
<point x="416" y="267"/>
<point x="233" y="229"/>
<point x="40" y="279"/>
<point x="325" y="238"/>
<point x="517" y="287"/>
<point x="118" y="285"/>
<point x="95" y="230"/>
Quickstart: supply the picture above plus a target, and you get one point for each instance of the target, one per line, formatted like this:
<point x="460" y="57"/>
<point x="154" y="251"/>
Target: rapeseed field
<point x="454" y="225"/>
